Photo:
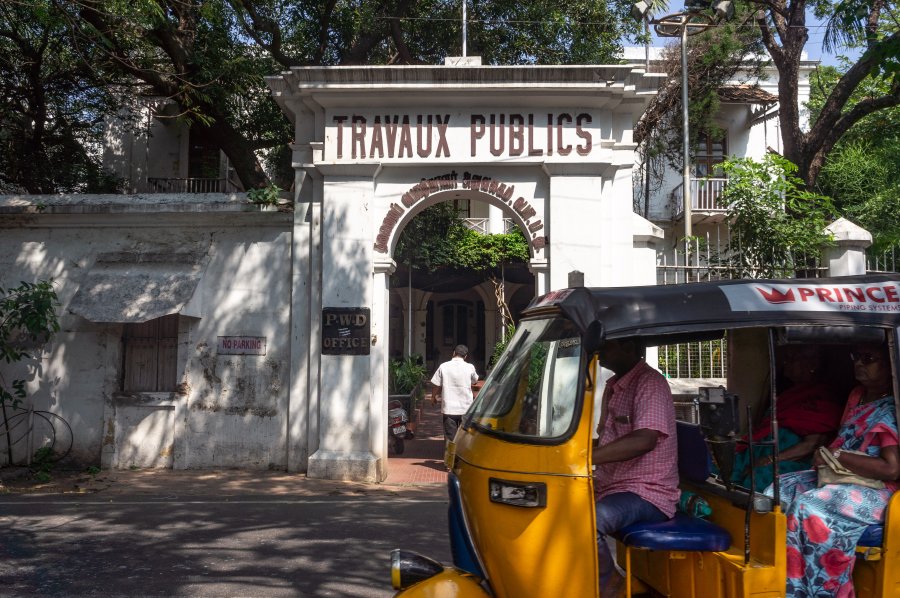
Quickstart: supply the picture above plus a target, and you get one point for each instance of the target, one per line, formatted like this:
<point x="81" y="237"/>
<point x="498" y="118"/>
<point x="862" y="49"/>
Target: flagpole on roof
<point x="464" y="28"/>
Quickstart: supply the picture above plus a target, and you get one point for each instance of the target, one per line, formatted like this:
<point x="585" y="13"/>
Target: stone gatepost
<point x="847" y="257"/>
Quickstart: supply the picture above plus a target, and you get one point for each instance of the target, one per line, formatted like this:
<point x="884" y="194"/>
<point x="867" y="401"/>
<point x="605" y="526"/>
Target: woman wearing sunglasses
<point x="824" y="523"/>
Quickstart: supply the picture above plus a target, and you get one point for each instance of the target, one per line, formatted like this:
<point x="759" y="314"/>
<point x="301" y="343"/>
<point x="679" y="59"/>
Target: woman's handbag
<point x="832" y="472"/>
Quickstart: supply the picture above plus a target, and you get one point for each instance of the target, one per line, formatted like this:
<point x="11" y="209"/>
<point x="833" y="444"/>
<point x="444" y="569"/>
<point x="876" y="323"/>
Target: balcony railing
<point x="705" y="194"/>
<point x="479" y="225"/>
<point x="482" y="225"/>
<point x="191" y="185"/>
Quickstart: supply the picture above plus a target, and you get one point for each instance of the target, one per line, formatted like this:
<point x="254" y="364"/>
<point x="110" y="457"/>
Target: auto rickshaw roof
<point x="694" y="308"/>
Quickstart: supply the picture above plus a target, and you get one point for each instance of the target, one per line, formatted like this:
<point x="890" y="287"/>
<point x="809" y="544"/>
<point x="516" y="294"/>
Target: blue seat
<point x="682" y="532"/>
<point x="873" y="537"/>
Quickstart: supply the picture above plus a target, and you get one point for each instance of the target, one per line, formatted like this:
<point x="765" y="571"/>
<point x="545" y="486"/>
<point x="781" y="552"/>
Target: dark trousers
<point x="451" y="423"/>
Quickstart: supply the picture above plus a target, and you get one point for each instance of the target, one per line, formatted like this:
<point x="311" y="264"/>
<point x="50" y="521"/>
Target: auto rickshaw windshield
<point x="532" y="393"/>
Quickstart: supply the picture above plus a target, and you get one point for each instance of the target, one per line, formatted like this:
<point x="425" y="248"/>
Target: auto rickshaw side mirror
<point x="593" y="338"/>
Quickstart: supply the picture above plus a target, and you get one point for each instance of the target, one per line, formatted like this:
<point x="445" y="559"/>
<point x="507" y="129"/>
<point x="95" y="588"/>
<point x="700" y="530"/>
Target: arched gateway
<point x="548" y="146"/>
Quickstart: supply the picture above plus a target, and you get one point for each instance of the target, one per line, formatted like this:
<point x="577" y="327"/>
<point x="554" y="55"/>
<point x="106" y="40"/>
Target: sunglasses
<point x="864" y="358"/>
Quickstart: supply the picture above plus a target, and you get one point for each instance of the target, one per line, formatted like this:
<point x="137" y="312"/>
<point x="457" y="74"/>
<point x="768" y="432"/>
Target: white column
<point x="541" y="270"/>
<point x="590" y="225"/>
<point x="346" y="400"/>
<point x="847" y="256"/>
<point x="306" y="248"/>
<point x="378" y="400"/>
<point x="495" y="220"/>
<point x="646" y="238"/>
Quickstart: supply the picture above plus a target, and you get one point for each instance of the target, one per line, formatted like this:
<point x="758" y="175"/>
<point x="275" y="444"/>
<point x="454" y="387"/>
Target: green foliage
<point x="863" y="176"/>
<point x="42" y="464"/>
<point x="773" y="219"/>
<point x="437" y="239"/>
<point x="875" y="127"/>
<point x="501" y="345"/>
<point x="27" y="318"/>
<point x="485" y="253"/>
<point x="862" y="173"/>
<point x="868" y="29"/>
<point x="428" y="241"/>
<point x="50" y="106"/>
<point x="406" y="375"/>
<point x="264" y="196"/>
<point x="209" y="59"/>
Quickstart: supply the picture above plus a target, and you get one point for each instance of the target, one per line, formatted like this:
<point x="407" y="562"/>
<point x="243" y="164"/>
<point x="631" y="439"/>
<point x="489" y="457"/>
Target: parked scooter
<point x="398" y="427"/>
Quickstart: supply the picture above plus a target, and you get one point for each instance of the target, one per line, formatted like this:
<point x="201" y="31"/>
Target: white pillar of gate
<point x="847" y="256"/>
<point x="302" y="424"/>
<point x="352" y="405"/>
<point x="384" y="267"/>
<point x="646" y="238"/>
<point x="602" y="229"/>
<point x="540" y="267"/>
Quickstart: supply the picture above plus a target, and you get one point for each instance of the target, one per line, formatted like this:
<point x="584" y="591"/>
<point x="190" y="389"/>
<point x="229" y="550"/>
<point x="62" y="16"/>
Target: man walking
<point x="636" y="477"/>
<point x="453" y="382"/>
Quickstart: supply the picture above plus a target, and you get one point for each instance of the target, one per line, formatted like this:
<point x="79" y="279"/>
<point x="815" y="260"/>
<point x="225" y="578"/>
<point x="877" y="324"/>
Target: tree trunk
<point x="240" y="155"/>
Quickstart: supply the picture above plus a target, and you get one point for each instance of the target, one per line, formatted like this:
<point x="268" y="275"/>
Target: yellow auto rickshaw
<point x="522" y="514"/>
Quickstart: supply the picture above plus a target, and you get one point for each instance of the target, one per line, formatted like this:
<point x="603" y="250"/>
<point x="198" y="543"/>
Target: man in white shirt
<point x="453" y="382"/>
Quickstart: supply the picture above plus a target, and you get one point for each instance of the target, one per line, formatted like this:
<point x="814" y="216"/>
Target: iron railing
<point x="713" y="258"/>
<point x="886" y="262"/>
<point x="191" y="185"/>
<point x="482" y="225"/>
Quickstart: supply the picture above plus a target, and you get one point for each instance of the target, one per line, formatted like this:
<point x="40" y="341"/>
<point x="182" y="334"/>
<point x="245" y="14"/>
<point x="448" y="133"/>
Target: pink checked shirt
<point x="641" y="399"/>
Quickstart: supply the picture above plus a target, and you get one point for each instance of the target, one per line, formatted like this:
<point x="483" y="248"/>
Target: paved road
<point x="334" y="540"/>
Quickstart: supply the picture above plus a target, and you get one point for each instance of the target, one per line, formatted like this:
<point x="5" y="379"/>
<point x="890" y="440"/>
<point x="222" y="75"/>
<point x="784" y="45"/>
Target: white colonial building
<point x="200" y="330"/>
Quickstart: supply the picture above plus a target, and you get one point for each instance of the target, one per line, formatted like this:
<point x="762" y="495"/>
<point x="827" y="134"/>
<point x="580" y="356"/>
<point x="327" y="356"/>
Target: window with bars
<point x="151" y="350"/>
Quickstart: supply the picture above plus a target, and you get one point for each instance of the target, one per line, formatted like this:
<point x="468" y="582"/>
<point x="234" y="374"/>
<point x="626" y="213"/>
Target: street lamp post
<point x="686" y="166"/>
<point x="691" y="21"/>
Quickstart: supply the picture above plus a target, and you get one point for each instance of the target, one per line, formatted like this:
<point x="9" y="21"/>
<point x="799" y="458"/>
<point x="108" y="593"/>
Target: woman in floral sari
<point x="824" y="524"/>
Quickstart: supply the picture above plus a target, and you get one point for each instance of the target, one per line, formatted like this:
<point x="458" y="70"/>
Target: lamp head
<point x="724" y="10"/>
<point x="640" y="10"/>
<point x="697" y="5"/>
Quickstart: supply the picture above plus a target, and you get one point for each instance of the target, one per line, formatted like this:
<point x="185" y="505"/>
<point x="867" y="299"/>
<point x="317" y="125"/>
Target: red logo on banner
<point x="776" y="296"/>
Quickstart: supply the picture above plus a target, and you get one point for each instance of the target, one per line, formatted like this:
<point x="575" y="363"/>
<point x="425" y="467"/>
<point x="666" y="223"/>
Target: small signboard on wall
<point x="241" y="345"/>
<point x="346" y="330"/>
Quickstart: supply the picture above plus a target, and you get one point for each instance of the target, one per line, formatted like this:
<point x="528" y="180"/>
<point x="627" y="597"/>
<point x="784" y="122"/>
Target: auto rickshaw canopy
<point x="689" y="309"/>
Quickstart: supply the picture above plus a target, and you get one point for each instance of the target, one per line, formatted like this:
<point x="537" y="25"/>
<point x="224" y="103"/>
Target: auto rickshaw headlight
<point x="409" y="568"/>
<point x="518" y="494"/>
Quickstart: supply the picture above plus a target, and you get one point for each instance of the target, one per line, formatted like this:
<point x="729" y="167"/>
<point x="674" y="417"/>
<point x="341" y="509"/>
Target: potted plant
<point x="406" y="382"/>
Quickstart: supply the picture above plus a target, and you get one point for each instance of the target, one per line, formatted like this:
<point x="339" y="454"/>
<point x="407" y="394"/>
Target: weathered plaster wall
<point x="237" y="404"/>
<point x="229" y="410"/>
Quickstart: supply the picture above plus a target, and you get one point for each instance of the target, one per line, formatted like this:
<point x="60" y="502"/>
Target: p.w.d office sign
<point x="346" y="330"/>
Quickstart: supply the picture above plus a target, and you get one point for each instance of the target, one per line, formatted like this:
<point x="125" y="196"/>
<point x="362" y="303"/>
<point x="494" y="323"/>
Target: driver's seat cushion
<point x="681" y="532"/>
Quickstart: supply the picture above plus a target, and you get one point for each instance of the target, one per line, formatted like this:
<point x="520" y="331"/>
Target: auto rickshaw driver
<point x="636" y="458"/>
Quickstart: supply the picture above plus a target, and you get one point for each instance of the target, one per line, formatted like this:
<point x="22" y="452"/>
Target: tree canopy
<point x="862" y="173"/>
<point x="777" y="31"/>
<point x="867" y="24"/>
<point x="209" y="58"/>
<point x="51" y="105"/>
<point x="68" y="63"/>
